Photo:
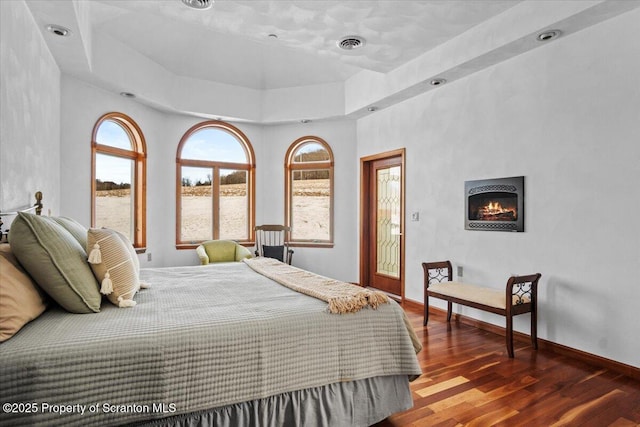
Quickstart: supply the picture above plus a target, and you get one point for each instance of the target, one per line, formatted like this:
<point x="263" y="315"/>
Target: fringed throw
<point x="342" y="297"/>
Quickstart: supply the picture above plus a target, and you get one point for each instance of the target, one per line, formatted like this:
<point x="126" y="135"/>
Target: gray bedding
<point x="201" y="337"/>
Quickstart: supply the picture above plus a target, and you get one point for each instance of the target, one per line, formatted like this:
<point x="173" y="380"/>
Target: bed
<point x="209" y="345"/>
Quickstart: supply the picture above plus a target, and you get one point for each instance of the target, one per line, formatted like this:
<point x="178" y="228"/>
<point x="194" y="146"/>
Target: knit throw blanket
<point x="342" y="297"/>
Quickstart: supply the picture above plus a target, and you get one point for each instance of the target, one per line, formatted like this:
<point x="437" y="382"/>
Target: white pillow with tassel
<point x="113" y="265"/>
<point x="134" y="256"/>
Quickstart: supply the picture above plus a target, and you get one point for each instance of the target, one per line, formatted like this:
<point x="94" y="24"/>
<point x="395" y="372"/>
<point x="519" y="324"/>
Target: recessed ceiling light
<point x="58" y="30"/>
<point x="273" y="36"/>
<point x="548" y="35"/>
<point x="372" y="108"/>
<point x="437" y="82"/>
<point x="199" y="4"/>
<point x="127" y="94"/>
<point x="351" y="42"/>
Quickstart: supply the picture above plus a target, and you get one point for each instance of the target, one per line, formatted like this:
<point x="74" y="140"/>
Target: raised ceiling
<point x="155" y="49"/>
<point x="230" y="42"/>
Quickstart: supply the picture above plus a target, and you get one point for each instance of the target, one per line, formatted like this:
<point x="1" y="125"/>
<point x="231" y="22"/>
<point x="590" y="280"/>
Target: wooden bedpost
<point x="38" y="204"/>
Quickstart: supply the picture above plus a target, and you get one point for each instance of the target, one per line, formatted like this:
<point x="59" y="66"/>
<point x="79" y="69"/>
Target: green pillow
<point x="77" y="230"/>
<point x="56" y="261"/>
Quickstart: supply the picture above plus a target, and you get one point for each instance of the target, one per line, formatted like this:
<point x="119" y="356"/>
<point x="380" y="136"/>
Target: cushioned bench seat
<point x="479" y="294"/>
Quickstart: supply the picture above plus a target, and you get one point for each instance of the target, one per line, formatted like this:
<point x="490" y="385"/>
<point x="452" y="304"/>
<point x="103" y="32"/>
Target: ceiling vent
<point x="351" y="42"/>
<point x="199" y="4"/>
<point x="58" y="30"/>
<point x="548" y="35"/>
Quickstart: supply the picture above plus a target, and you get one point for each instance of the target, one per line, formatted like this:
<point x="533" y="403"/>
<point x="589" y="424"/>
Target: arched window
<point x="118" y="177"/>
<point x="309" y="192"/>
<point x="215" y="172"/>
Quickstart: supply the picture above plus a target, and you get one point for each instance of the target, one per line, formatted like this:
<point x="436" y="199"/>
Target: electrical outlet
<point x="460" y="271"/>
<point x="415" y="216"/>
<point x="148" y="256"/>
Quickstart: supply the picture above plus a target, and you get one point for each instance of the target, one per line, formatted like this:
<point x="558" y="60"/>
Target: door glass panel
<point x="196" y="204"/>
<point x="114" y="208"/>
<point x="388" y="221"/>
<point x="234" y="205"/>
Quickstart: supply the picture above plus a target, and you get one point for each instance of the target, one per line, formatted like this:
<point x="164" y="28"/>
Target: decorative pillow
<point x="77" y="230"/>
<point x="276" y="252"/>
<point x="112" y="263"/>
<point x="20" y="298"/>
<point x="134" y="257"/>
<point x="132" y="250"/>
<point x="55" y="260"/>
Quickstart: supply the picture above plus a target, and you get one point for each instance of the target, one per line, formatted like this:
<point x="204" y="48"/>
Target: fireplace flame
<point x="494" y="211"/>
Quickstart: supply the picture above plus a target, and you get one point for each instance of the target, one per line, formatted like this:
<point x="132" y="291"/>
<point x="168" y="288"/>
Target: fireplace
<point x="495" y="204"/>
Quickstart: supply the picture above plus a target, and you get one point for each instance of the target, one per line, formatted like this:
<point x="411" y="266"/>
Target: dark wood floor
<point x="469" y="380"/>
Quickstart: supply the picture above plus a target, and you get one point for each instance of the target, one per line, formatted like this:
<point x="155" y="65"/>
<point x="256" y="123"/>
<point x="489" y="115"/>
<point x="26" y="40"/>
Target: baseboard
<point x="603" y="362"/>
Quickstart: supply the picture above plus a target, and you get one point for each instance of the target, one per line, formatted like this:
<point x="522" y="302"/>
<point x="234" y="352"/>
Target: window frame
<point x="289" y="166"/>
<point x="215" y="166"/>
<point x="138" y="155"/>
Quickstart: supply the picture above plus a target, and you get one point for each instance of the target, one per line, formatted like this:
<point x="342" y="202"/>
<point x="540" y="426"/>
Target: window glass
<point x="113" y="134"/>
<point x="113" y="205"/>
<point x="118" y="200"/>
<point x="311" y="205"/>
<point x="197" y="204"/>
<point x="311" y="152"/>
<point x="214" y="145"/>
<point x="233" y="204"/>
<point x="309" y="165"/>
<point x="216" y="156"/>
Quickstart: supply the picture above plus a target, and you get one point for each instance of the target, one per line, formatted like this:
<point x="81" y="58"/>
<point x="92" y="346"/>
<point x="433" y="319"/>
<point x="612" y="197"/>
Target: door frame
<point x="366" y="201"/>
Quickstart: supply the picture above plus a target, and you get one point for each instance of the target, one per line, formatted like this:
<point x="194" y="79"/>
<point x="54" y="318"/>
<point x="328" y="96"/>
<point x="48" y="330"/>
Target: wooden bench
<point x="521" y="296"/>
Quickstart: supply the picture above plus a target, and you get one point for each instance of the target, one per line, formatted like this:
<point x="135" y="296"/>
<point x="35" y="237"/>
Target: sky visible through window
<point x="111" y="133"/>
<point x="310" y="147"/>
<point x="214" y="145"/>
<point x="114" y="169"/>
<point x="111" y="168"/>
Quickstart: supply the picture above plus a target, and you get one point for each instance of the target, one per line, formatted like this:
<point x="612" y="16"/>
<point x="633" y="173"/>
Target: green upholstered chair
<point x="221" y="251"/>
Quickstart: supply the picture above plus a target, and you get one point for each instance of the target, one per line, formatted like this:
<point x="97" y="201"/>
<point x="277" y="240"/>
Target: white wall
<point x="340" y="262"/>
<point x="29" y="113"/>
<point x="567" y="117"/>
<point x="83" y="104"/>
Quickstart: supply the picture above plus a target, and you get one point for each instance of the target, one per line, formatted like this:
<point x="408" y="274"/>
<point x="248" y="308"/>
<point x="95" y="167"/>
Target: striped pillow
<point x="112" y="263"/>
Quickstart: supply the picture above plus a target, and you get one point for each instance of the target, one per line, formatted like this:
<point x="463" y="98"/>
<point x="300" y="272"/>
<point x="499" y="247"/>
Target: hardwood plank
<point x="444" y="385"/>
<point x="623" y="422"/>
<point x="493" y="417"/>
<point x="469" y="380"/>
<point x="583" y="413"/>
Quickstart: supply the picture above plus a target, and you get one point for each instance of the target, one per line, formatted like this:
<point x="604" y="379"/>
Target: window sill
<point x="181" y="246"/>
<point x="328" y="245"/>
